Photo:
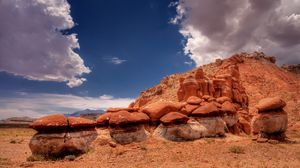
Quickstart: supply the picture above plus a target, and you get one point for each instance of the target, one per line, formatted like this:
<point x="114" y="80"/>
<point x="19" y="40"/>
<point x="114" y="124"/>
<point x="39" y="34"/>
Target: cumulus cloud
<point x="39" y="104"/>
<point x="216" y="29"/>
<point x="33" y="45"/>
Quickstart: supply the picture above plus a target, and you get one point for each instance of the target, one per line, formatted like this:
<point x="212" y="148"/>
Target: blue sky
<point x="138" y="33"/>
<point x="126" y="46"/>
<point x="129" y="46"/>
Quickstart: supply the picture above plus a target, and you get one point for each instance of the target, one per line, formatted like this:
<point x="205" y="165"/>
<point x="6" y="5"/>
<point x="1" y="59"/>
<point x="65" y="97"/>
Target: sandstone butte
<point x="244" y="94"/>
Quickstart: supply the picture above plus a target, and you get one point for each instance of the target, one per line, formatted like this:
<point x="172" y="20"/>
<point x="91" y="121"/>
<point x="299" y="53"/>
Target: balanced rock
<point x="271" y="121"/>
<point x="58" y="135"/>
<point x="125" y="127"/>
<point x="270" y="104"/>
<point x="174" y="118"/>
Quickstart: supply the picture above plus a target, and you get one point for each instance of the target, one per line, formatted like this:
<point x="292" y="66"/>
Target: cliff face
<point x="259" y="75"/>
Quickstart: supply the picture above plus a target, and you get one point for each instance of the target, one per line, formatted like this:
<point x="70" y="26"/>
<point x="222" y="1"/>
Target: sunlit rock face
<point x="58" y="136"/>
<point x="208" y="101"/>
<point x="193" y="129"/>
<point x="125" y="125"/>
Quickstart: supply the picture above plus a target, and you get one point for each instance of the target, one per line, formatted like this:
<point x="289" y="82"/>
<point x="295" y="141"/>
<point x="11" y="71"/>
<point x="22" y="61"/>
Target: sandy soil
<point x="232" y="151"/>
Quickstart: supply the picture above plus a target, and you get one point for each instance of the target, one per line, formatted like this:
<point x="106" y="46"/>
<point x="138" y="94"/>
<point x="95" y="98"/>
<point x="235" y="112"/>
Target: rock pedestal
<point x="125" y="125"/>
<point x="58" y="135"/>
<point x="271" y="120"/>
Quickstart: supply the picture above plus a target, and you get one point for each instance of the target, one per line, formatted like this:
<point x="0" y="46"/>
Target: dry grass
<point x="208" y="152"/>
<point x="237" y="149"/>
<point x="16" y="132"/>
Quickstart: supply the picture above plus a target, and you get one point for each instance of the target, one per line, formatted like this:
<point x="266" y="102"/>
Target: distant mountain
<point x="87" y="113"/>
<point x="16" y="122"/>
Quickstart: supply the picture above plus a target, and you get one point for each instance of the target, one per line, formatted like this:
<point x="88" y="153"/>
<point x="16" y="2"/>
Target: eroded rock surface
<point x="271" y="120"/>
<point x="74" y="135"/>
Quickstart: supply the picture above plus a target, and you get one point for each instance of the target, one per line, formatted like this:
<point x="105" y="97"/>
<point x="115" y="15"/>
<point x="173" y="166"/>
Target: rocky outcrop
<point x="58" y="135"/>
<point x="124" y="124"/>
<point x="174" y="118"/>
<point x="192" y="130"/>
<point x="294" y="68"/>
<point x="158" y="109"/>
<point x="271" y="120"/>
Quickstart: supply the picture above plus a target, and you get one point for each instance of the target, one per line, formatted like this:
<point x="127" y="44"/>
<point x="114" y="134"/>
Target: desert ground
<point x="231" y="151"/>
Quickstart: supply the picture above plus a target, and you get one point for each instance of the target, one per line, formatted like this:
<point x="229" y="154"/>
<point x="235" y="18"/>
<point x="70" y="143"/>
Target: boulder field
<point x="206" y="106"/>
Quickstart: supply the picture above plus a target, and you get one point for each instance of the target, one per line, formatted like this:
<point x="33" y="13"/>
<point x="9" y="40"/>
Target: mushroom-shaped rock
<point x="268" y="104"/>
<point x="209" y="109"/>
<point x="128" y="127"/>
<point x="78" y="122"/>
<point x="57" y="122"/>
<point x="158" y="109"/>
<point x="54" y="139"/>
<point x="174" y="118"/>
<point x="223" y="99"/>
<point x="122" y="118"/>
<point x="194" y="100"/>
<point x="103" y="119"/>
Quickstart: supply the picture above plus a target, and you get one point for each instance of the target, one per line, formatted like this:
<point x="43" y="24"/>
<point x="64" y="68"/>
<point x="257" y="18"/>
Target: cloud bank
<point x="39" y="104"/>
<point x="32" y="44"/>
<point x="216" y="29"/>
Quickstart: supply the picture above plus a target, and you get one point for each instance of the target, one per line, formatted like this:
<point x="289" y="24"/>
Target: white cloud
<point x="117" y="61"/>
<point x="216" y="29"/>
<point x="39" y="104"/>
<point x="32" y="45"/>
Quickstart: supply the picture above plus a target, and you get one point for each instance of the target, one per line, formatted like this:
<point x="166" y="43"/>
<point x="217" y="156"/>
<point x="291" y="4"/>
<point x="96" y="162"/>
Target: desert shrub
<point x="34" y="158"/>
<point x="237" y="149"/>
<point x="13" y="141"/>
<point x="143" y="147"/>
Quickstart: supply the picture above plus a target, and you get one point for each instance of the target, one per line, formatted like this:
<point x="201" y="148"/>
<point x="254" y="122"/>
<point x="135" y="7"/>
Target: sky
<point x="59" y="56"/>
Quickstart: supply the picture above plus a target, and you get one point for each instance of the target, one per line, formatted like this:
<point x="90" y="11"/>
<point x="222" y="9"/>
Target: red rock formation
<point x="78" y="122"/>
<point x="50" y="122"/>
<point x="58" y="135"/>
<point x="271" y="121"/>
<point x="174" y="118"/>
<point x="156" y="110"/>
